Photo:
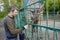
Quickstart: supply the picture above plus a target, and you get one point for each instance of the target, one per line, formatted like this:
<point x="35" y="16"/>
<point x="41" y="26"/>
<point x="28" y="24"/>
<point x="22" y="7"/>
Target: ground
<point x="50" y="23"/>
<point x="2" y="32"/>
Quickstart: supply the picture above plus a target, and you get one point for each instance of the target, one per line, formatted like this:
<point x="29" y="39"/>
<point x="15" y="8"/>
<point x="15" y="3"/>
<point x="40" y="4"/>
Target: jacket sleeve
<point x="12" y="27"/>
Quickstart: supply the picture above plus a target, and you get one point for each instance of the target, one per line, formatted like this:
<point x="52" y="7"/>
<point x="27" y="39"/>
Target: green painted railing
<point x="42" y="29"/>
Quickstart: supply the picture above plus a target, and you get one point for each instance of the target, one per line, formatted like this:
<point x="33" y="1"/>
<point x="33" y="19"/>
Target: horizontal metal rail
<point x="49" y="27"/>
<point x="30" y="5"/>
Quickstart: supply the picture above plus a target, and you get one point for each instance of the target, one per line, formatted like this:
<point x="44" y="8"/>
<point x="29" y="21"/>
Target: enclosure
<point x="47" y="27"/>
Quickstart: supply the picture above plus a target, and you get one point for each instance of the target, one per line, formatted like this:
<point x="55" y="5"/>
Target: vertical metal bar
<point x="28" y="31"/>
<point x="54" y="20"/>
<point x="40" y="27"/>
<point x="31" y="36"/>
<point x="41" y="33"/>
<point x="35" y="37"/>
<point x="36" y="30"/>
<point x="19" y="20"/>
<point x="31" y="27"/>
<point x="15" y="20"/>
<point x="47" y="19"/>
<point x="55" y="34"/>
<point x="25" y="14"/>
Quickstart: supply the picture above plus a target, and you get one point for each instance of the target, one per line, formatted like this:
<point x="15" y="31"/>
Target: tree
<point x="51" y="5"/>
<point x="17" y="3"/>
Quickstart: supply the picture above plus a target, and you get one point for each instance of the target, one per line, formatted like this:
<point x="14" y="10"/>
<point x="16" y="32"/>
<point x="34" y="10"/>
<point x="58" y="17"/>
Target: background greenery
<point x="18" y="3"/>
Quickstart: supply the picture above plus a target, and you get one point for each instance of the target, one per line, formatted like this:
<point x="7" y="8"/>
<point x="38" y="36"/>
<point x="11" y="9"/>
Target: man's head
<point x="12" y="10"/>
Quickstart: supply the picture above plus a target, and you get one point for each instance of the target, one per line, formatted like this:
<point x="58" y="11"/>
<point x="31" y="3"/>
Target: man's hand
<point x="26" y="26"/>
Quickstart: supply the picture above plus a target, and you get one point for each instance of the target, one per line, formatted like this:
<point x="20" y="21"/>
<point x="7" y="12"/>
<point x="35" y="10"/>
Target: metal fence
<point x="44" y="29"/>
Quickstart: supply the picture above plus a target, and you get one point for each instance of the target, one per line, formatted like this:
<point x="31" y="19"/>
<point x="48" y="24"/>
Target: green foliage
<point x="50" y="5"/>
<point x="17" y="3"/>
<point x="5" y="11"/>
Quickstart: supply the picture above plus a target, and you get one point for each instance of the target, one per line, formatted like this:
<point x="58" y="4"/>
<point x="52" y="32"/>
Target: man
<point x="9" y="24"/>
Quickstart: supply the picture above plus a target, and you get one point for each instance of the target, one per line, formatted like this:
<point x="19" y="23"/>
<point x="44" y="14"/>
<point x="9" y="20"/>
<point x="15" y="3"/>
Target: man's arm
<point x="12" y="28"/>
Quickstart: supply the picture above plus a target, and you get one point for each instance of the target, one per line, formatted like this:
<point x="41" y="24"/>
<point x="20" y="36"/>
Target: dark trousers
<point x="21" y="36"/>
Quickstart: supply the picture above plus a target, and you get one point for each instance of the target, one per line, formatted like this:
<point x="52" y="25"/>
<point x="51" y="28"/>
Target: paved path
<point x="2" y="31"/>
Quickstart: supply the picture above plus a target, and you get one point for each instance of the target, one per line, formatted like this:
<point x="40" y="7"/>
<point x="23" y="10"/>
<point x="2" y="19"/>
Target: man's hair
<point x="12" y="8"/>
